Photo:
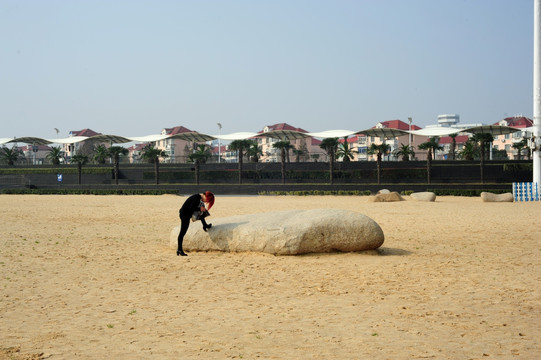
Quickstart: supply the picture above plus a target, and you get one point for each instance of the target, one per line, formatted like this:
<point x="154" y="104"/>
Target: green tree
<point x="430" y="145"/>
<point x="469" y="151"/>
<point x="519" y="146"/>
<point x="240" y="146"/>
<point x="484" y="140"/>
<point x="200" y="156"/>
<point x="100" y="154"/>
<point x="114" y="153"/>
<point x="379" y="150"/>
<point x="284" y="147"/>
<point x="344" y="151"/>
<point x="153" y="155"/>
<point x="405" y="151"/>
<point x="254" y="151"/>
<point x="10" y="156"/>
<point x="452" y="151"/>
<point x="298" y="154"/>
<point x="80" y="160"/>
<point x="55" y="155"/>
<point x="330" y="146"/>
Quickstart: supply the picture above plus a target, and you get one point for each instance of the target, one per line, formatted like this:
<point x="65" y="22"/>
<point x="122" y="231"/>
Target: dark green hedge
<point x="62" y="170"/>
<point x="518" y="167"/>
<point x="24" y="191"/>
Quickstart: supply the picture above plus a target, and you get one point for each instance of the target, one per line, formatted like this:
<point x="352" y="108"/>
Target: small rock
<point x="491" y="197"/>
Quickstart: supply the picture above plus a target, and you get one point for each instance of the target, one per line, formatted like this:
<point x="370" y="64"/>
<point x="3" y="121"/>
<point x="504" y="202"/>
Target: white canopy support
<point x="435" y="131"/>
<point x="285" y="134"/>
<point x="331" y="134"/>
<point x="279" y="134"/>
<point x="148" y="138"/>
<point x="68" y="140"/>
<point x="236" y="136"/>
<point x="192" y="136"/>
<point x="494" y="130"/>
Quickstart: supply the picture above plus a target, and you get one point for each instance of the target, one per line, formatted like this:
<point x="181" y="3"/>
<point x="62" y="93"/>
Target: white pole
<point x="409" y="135"/>
<point x="537" y="91"/>
<point x="219" y="143"/>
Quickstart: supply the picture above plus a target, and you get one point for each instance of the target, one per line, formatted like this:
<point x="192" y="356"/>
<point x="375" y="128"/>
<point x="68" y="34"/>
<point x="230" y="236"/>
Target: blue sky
<point x="134" y="67"/>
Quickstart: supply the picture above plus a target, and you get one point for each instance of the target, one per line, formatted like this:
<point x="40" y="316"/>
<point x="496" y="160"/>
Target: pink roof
<point x="351" y="140"/>
<point x="398" y="124"/>
<point x="284" y="126"/>
<point x="40" y="148"/>
<point x="223" y="149"/>
<point x="460" y="139"/>
<point x="84" y="132"/>
<point x="137" y="147"/>
<point x="176" y="130"/>
<point x="518" y="122"/>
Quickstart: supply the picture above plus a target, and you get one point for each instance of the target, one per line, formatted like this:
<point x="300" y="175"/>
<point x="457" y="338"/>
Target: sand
<point x="90" y="277"/>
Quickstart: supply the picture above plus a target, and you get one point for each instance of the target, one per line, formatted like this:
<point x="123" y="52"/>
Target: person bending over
<point x="193" y="209"/>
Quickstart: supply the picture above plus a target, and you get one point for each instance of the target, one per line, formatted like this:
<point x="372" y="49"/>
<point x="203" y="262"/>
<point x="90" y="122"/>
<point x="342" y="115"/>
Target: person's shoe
<point x="205" y="228"/>
<point x="181" y="253"/>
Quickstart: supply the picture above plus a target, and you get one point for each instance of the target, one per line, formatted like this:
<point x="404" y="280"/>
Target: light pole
<point x="219" y="143"/>
<point x="537" y="93"/>
<point x="409" y="135"/>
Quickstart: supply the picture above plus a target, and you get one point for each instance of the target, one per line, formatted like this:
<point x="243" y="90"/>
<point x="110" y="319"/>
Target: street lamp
<point x="409" y="135"/>
<point x="219" y="143"/>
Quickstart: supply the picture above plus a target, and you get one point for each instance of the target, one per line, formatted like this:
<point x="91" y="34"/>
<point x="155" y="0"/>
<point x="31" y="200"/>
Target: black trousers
<point x="184" y="225"/>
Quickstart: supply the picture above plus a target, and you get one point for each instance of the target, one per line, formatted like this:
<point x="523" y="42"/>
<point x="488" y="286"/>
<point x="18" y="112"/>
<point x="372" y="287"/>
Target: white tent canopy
<point x="279" y="134"/>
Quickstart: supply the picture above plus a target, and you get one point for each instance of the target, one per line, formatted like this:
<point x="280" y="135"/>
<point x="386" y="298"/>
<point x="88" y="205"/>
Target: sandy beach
<point x="92" y="277"/>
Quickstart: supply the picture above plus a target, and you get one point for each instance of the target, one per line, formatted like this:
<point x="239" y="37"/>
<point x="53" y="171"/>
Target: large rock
<point x="491" y="197"/>
<point x="423" y="196"/>
<point x="285" y="233"/>
<point x="394" y="196"/>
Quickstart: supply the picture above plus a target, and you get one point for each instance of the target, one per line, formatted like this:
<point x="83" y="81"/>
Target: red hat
<point x="210" y="198"/>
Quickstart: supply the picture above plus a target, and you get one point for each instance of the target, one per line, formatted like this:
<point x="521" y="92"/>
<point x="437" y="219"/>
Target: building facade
<point x="505" y="142"/>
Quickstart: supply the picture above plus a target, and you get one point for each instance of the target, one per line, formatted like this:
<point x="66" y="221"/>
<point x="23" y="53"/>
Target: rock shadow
<point x="386" y="251"/>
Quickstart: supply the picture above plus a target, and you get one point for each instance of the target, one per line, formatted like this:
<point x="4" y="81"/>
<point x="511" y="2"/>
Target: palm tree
<point x="114" y="153"/>
<point x="80" y="160"/>
<point x="469" y="151"/>
<point x="483" y="139"/>
<point x="254" y="151"/>
<point x="10" y="156"/>
<point x="405" y="151"/>
<point x="100" y="154"/>
<point x="344" y="151"/>
<point x="453" y="146"/>
<point x="240" y="146"/>
<point x="430" y="145"/>
<point x="153" y="155"/>
<point x="298" y="153"/>
<point x="55" y="154"/>
<point x="519" y="146"/>
<point x="200" y="156"/>
<point x="284" y="147"/>
<point x="379" y="150"/>
<point x="330" y="145"/>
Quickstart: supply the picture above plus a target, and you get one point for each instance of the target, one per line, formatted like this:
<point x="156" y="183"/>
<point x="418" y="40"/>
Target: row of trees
<point x="475" y="147"/>
<point x="100" y="155"/>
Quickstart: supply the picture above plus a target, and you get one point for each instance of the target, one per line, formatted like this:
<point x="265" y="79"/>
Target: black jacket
<point x="190" y="205"/>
